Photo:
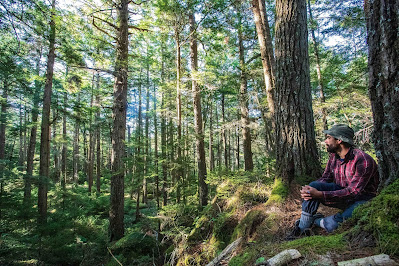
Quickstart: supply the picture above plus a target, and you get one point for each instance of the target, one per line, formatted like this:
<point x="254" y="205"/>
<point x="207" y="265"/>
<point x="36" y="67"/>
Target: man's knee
<point x="315" y="184"/>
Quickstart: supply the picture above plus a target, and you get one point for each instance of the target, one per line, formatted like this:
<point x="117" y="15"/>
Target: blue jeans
<point x="331" y="222"/>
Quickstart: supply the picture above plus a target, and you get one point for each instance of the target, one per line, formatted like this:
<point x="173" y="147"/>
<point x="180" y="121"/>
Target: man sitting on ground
<point x="350" y="179"/>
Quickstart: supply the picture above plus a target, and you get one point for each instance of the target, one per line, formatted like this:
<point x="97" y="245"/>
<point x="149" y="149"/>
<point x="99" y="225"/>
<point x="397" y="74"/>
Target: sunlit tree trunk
<point x="383" y="30"/>
<point x="295" y="136"/>
<point x="147" y="136"/>
<point x="266" y="50"/>
<point x="163" y="153"/>
<point x="44" y="171"/>
<point x="116" y="213"/>
<point x="200" y="146"/>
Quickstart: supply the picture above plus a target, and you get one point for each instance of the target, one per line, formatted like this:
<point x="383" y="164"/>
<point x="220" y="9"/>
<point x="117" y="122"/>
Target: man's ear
<point x="339" y="141"/>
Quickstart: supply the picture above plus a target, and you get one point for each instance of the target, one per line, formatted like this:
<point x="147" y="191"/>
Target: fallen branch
<point x="381" y="259"/>
<point x="110" y="252"/>
<point x="282" y="258"/>
<point x="230" y="248"/>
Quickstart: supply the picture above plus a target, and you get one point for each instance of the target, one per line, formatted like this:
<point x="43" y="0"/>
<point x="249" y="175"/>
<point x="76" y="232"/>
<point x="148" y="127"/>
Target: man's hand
<point x="308" y="193"/>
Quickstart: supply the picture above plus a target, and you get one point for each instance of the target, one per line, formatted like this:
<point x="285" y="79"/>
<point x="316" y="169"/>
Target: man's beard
<point x="332" y="148"/>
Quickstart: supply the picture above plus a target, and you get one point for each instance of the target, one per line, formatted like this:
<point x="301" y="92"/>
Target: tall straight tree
<point x="44" y="169"/>
<point x="200" y="145"/>
<point x="383" y="42"/>
<point x="266" y="50"/>
<point x="33" y="133"/>
<point x="243" y="99"/>
<point x="116" y="214"/>
<point x="295" y="137"/>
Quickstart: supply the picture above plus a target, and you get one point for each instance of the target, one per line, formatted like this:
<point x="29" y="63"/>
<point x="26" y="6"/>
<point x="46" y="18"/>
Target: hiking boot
<point x="296" y="232"/>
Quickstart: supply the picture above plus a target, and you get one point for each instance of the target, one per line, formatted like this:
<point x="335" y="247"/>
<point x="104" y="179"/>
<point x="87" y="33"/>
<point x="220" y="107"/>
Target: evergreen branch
<point x="97" y="69"/>
<point x="137" y="28"/>
<point x="106" y="21"/>
<point x="103" y="31"/>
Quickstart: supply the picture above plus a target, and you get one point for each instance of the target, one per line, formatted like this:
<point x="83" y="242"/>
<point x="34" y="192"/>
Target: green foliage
<point x="317" y="244"/>
<point x="245" y="258"/>
<point x="380" y="217"/>
<point x="249" y="224"/>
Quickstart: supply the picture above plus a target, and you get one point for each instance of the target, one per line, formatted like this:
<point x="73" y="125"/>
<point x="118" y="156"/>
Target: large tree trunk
<point x="243" y="97"/>
<point x="295" y="136"/>
<point x="200" y="146"/>
<point x="45" y="126"/>
<point x="383" y="31"/>
<point x="116" y="213"/>
<point x="21" y="158"/>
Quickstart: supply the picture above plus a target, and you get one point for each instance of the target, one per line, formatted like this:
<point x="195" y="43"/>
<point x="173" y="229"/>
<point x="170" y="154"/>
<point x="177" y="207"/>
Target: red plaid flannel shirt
<point x="357" y="174"/>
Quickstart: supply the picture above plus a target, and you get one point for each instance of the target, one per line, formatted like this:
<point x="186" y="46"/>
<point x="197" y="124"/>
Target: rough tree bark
<point x="116" y="213"/>
<point x="295" y="136"/>
<point x="383" y="42"/>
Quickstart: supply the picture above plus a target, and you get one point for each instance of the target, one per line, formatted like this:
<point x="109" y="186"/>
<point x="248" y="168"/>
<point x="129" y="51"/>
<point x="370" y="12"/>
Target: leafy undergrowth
<point x="250" y="210"/>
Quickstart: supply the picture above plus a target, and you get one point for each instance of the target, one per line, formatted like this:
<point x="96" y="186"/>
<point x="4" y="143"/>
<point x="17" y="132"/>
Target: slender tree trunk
<point x="224" y="135"/>
<point x="266" y="50"/>
<point x="383" y="30"/>
<point x="92" y="135"/>
<point x="116" y="213"/>
<point x="295" y="136"/>
<point x="163" y="153"/>
<point x="200" y="146"/>
<point x="211" y="152"/>
<point x="243" y="97"/>
<point x="21" y="158"/>
<point x="44" y="172"/>
<point x="3" y="124"/>
<point x="138" y="154"/>
<point x="64" y="143"/>
<point x="76" y="153"/>
<point x="179" y="174"/>
<point x="156" y="149"/>
<point x="147" y="136"/>
<point x="98" y="140"/>
<point x="318" y="68"/>
<point x="56" y="173"/>
<point x="33" y="133"/>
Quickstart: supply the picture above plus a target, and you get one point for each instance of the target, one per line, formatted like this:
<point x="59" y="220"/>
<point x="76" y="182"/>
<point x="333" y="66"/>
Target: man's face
<point x="332" y="144"/>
